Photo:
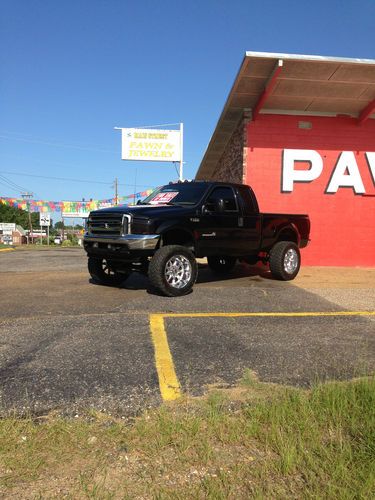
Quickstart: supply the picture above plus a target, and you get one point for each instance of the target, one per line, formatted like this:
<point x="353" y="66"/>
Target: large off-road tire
<point x="221" y="265"/>
<point x="102" y="272"/>
<point x="285" y="260"/>
<point x="173" y="270"/>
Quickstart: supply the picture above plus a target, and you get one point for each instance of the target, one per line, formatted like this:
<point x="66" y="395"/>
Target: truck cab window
<point x="224" y="193"/>
<point x="248" y="205"/>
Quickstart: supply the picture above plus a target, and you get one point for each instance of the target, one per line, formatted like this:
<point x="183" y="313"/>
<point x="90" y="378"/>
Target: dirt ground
<point x="349" y="287"/>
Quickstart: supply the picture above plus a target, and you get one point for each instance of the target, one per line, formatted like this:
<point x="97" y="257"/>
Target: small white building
<point x="12" y="234"/>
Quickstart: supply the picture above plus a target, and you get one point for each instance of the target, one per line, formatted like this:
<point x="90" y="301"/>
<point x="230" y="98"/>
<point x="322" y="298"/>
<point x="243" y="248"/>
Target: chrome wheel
<point x="291" y="261"/>
<point x="178" y="271"/>
<point x="173" y="270"/>
<point x="285" y="260"/>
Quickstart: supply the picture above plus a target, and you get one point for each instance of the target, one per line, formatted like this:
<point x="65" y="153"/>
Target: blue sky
<point x="72" y="70"/>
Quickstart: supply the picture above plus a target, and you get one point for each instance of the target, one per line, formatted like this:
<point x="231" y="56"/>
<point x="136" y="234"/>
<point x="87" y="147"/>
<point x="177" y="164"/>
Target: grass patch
<point x="259" y="440"/>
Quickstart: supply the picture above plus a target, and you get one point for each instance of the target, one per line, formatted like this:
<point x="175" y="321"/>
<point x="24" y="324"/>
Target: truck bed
<point x="274" y="223"/>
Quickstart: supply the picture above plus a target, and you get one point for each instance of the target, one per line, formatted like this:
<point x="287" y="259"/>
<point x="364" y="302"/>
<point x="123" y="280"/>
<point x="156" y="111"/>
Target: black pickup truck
<point x="164" y="234"/>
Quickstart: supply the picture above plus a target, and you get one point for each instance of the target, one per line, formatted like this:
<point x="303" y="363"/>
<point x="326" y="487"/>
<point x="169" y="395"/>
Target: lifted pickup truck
<point x="164" y="234"/>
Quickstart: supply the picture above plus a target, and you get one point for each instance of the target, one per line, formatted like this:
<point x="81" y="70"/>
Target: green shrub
<point x="67" y="243"/>
<point x="73" y="238"/>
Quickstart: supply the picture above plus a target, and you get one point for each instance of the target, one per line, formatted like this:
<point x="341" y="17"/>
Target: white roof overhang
<point x="293" y="84"/>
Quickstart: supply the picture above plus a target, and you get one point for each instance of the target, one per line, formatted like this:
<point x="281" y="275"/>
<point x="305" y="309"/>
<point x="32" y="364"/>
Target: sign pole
<point x="181" y="151"/>
<point x="44" y="221"/>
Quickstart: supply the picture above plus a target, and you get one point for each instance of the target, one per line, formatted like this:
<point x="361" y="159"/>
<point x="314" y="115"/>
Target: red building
<point x="301" y="131"/>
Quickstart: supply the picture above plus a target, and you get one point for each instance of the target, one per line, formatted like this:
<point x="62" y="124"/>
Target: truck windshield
<point x="177" y="194"/>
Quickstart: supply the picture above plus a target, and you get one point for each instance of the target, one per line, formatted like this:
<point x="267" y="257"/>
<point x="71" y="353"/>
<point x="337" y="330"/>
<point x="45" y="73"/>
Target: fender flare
<point x="174" y="225"/>
<point x="290" y="227"/>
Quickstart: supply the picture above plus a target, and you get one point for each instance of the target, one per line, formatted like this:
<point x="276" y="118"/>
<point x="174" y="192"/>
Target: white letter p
<point x="290" y="175"/>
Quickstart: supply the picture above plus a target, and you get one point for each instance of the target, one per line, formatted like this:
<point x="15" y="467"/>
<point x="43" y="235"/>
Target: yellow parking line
<point x="169" y="385"/>
<point x="268" y="314"/>
<point x="170" y="388"/>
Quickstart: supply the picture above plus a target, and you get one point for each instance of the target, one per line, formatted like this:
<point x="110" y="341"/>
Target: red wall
<point x="343" y="223"/>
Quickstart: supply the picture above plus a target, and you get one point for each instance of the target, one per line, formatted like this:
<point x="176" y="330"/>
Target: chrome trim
<point x="291" y="261"/>
<point x="126" y="216"/>
<point x="177" y="271"/>
<point x="132" y="241"/>
<point x="106" y="224"/>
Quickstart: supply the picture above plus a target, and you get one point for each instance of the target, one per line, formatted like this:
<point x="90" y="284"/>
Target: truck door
<point x="219" y="232"/>
<point x="252" y="222"/>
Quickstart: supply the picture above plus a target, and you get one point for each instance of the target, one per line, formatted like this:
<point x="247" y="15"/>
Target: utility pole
<point x="116" y="191"/>
<point x="62" y="228"/>
<point x="27" y="197"/>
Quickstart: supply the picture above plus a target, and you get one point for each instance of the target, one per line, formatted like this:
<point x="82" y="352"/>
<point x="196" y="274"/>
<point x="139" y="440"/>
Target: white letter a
<point x="346" y="174"/>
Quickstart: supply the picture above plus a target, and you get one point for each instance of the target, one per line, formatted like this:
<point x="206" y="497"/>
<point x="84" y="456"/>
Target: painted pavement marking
<point x="169" y="385"/>
<point x="168" y="382"/>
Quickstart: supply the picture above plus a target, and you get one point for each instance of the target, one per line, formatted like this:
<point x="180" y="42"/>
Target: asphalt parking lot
<point x="68" y="344"/>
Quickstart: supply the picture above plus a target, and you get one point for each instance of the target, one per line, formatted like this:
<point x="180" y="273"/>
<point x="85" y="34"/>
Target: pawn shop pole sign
<point x="151" y="144"/>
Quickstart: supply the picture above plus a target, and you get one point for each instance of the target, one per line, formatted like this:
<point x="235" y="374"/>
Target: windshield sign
<point x="188" y="193"/>
<point x="161" y="198"/>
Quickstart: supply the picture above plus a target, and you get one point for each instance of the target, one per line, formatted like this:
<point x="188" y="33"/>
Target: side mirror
<point x="139" y="202"/>
<point x="217" y="206"/>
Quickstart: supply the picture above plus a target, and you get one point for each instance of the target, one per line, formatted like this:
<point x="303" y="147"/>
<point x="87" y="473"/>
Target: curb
<point x="7" y="249"/>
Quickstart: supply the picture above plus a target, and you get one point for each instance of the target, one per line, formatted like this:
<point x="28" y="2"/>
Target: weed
<point x="279" y="442"/>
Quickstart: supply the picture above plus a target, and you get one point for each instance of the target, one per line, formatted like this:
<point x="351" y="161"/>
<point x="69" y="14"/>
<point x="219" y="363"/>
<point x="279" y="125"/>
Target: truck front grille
<point x="108" y="224"/>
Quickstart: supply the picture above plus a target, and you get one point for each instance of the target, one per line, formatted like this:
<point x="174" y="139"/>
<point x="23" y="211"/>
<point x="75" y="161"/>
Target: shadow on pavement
<point x="138" y="281"/>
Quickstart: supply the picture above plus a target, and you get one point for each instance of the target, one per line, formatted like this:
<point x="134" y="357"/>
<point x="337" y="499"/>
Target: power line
<point x="65" y="179"/>
<point x="56" y="144"/>
<point x="55" y="178"/>
<point x="13" y="184"/>
<point x="12" y="189"/>
<point x="6" y="185"/>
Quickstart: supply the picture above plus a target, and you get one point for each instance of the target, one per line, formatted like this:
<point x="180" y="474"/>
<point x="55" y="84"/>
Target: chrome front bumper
<point x="130" y="241"/>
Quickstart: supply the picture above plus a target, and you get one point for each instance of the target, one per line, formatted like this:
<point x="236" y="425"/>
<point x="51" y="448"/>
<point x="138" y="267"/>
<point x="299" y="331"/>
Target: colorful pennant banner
<point x="72" y="206"/>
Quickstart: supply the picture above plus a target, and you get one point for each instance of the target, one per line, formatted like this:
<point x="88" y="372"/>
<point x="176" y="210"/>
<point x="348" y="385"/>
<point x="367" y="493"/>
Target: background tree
<point x="59" y="225"/>
<point x="18" y="216"/>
